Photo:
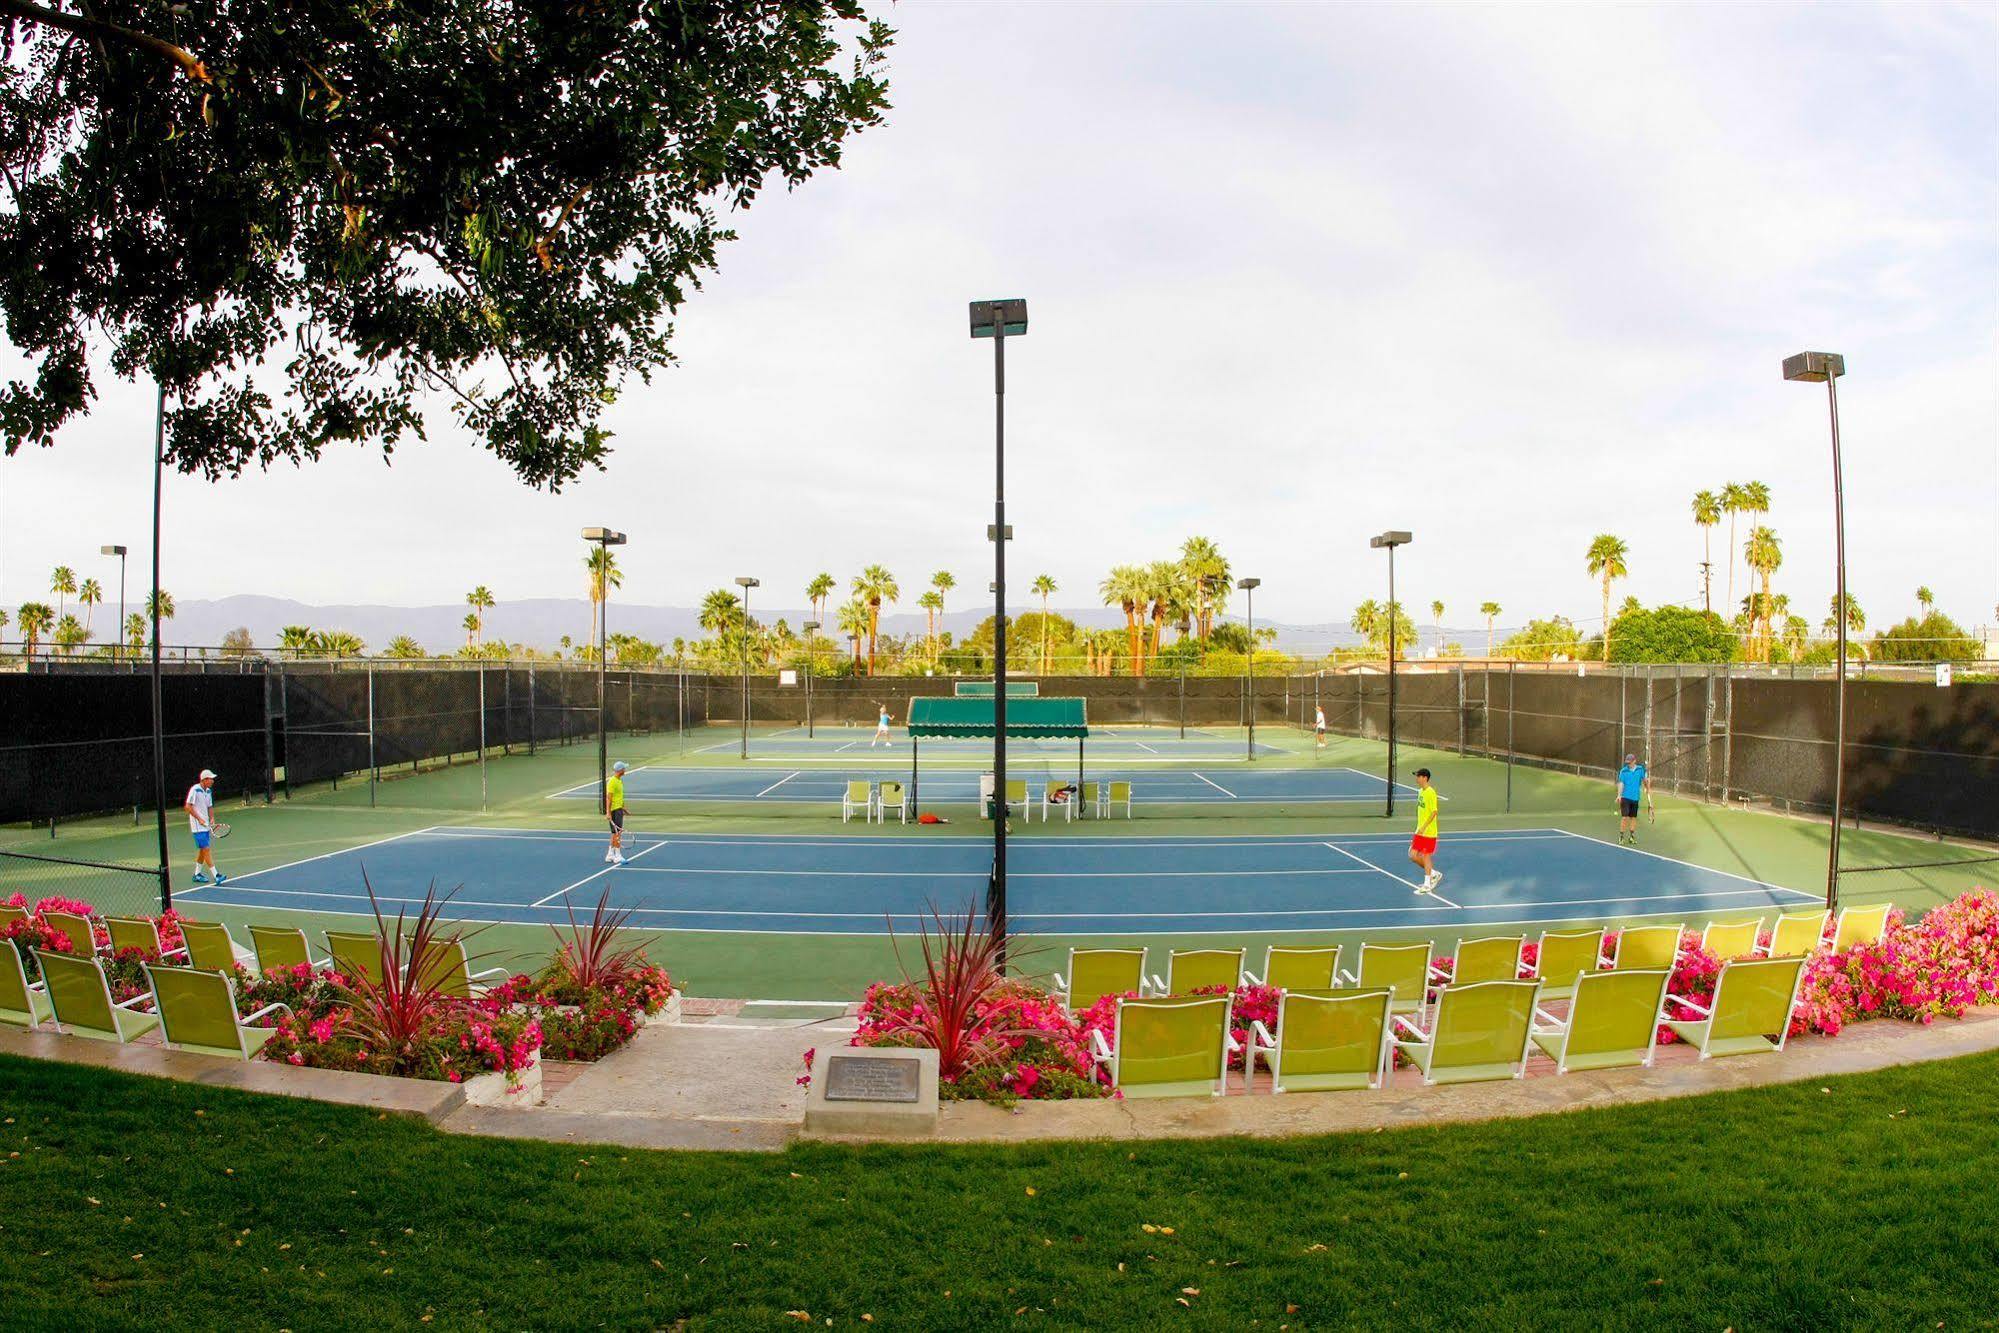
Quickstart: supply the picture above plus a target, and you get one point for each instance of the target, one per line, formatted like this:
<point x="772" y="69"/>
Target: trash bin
<point x="988" y="789"/>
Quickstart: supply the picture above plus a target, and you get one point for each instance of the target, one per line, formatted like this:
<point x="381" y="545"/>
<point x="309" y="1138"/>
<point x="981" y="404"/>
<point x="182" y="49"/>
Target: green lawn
<point x="1859" y="1202"/>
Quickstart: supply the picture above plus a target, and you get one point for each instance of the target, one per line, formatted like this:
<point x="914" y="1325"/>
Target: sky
<point x="1505" y="277"/>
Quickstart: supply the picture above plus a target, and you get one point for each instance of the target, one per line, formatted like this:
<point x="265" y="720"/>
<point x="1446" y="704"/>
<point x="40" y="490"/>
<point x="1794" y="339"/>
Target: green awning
<point x="950" y="716"/>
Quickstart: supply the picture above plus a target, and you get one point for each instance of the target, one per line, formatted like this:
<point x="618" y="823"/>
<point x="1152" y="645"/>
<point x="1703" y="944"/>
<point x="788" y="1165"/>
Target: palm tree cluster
<point x="37" y="621"/>
<point x="1188" y="593"/>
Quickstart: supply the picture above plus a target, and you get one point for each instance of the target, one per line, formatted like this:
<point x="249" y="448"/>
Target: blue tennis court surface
<point x="1137" y="744"/>
<point x="1056" y="886"/>
<point x="961" y="786"/>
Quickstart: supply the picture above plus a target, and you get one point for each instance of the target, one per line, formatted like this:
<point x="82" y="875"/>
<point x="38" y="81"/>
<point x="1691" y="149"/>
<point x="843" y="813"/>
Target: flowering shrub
<point x="33" y="933"/>
<point x="584" y="1022"/>
<point x="461" y="1042"/>
<point x="1020" y="1042"/>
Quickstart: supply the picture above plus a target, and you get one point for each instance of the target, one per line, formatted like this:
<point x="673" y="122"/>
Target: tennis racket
<point x="1651" y="808"/>
<point x="219" y="830"/>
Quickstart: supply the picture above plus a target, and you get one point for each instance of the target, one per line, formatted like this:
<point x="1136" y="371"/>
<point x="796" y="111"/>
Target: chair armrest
<point x="1350" y="978"/>
<point x="1061" y="983"/>
<point x="134" y="1003"/>
<point x="174" y="953"/>
<point x="1557" y="1023"/>
<point x="247" y="1019"/>
<point x="1158" y="984"/>
<point x="499" y="972"/>
<point x="1417" y="1037"/>
<point x="1441" y="975"/>
<point x="1703" y="1010"/>
<point x="1251" y="978"/>
<point x="1604" y="961"/>
<point x="1261" y="1035"/>
<point x="1100" y="1049"/>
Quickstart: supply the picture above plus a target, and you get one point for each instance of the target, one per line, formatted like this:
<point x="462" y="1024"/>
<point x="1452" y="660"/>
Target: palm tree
<point x="1856" y="621"/>
<point x="853" y="621"/>
<point x="875" y="586"/>
<point x="89" y="593"/>
<point x="164" y="608"/>
<point x="3" y="625"/>
<point x="480" y="599"/>
<point x="296" y="640"/>
<point x="1125" y="588"/>
<point x="817" y="591"/>
<point x="602" y="568"/>
<point x="1490" y="610"/>
<point x="1763" y="553"/>
<point x="69" y="632"/>
<point x="1734" y="500"/>
<point x="1207" y="572"/>
<point x="62" y="583"/>
<point x="403" y="646"/>
<point x="1366" y="621"/>
<point x="1167" y="589"/>
<point x="1044" y="585"/>
<point x="1925" y="599"/>
<point x="471" y="627"/>
<point x="1437" y="615"/>
<point x="721" y="613"/>
<point x="135" y="631"/>
<point x="342" y="643"/>
<point x="35" y="619"/>
<point x="1707" y="513"/>
<point x="932" y="602"/>
<point x="1606" y="561"/>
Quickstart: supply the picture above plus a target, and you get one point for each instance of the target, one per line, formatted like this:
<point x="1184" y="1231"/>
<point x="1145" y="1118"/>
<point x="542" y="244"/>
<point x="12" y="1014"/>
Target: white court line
<point x="1143" y="746"/>
<point x="1761" y="884"/>
<point x="1372" y="866"/>
<point x="252" y="874"/>
<point x="816" y="873"/>
<point x="1216" y="785"/>
<point x="779" y="783"/>
<point x="542" y="902"/>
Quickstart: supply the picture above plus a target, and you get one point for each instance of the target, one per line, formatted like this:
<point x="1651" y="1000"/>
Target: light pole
<point x="605" y="539"/>
<point x="1389" y="541"/>
<point x="746" y="583"/>
<point x="1249" y="587"/>
<point x="811" y="628"/>
<point x="118" y="639"/>
<point x="1812" y="367"/>
<point x="998" y="320"/>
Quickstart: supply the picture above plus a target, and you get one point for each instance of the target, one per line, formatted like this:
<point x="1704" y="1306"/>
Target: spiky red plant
<point x="400" y="1006"/>
<point x="590" y="957"/>
<point x="962" y="967"/>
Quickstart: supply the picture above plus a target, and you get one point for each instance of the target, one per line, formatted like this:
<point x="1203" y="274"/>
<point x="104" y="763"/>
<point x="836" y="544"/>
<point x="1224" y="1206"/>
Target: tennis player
<point x="1319" y="726"/>
<point x="200" y="807"/>
<point x="614" y="811"/>
<point x="1423" y="847"/>
<point x="1633" y="780"/>
<point x="881" y="730"/>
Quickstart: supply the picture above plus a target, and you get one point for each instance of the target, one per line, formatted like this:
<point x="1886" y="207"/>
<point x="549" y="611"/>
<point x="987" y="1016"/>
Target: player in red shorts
<point x="1423" y="847"/>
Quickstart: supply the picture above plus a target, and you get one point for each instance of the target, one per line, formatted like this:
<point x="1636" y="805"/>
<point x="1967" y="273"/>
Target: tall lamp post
<point x="746" y="583"/>
<point x="118" y="639"/>
<point x="605" y="539"/>
<point x="1249" y="587"/>
<point x="1812" y="368"/>
<point x="1389" y="541"/>
<point x="999" y="320"/>
<point x="811" y="628"/>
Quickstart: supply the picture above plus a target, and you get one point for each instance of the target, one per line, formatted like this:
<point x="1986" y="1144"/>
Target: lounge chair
<point x="858" y="796"/>
<point x="1095" y="973"/>
<point x="1564" y="955"/>
<point x="1479" y="1032"/>
<point x="450" y="971"/>
<point x="1795" y="935"/>
<point x="209" y="945"/>
<point x="1645" y="947"/>
<point x="1612" y="1022"/>
<point x="9" y="914"/>
<point x="1860" y="925"/>
<point x="1298" y="967"/>
<point x="142" y="933"/>
<point x="282" y="946"/>
<point x="356" y="955"/>
<point x="892" y="796"/>
<point x="197" y="1010"/>
<point x="21" y="1003"/>
<point x="1494" y="958"/>
<point x="1067" y="805"/>
<point x="80" y="995"/>
<point x="77" y="927"/>
<point x="1115" y="794"/>
<point x="1751" y="1011"/>
<point x="1402" y="968"/>
<point x="1732" y="939"/>
<point x="1325" y="1041"/>
<point x="1086" y="801"/>
<point x="1189" y="970"/>
<point x="1169" y="1046"/>
<point x="1016" y="798"/>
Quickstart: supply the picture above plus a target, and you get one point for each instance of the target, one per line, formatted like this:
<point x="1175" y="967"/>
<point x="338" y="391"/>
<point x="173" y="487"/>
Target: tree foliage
<point x="301" y="216"/>
<point x="1934" y="637"/>
<point x="1671" y="634"/>
<point x="1543" y="640"/>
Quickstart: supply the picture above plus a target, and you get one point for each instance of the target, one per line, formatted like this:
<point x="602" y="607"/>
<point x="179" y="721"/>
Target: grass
<point x="1858" y="1202"/>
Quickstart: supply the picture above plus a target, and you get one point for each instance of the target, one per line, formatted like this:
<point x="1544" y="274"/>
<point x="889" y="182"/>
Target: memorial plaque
<point x="873" y="1079"/>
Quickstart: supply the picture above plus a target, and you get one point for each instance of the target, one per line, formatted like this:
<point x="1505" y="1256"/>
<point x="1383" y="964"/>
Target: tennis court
<point x="1245" y="786"/>
<point x="1134" y="744"/>
<point x="838" y="885"/>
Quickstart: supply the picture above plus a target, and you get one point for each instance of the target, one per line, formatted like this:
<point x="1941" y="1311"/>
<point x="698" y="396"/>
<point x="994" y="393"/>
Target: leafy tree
<point x="341" y="643"/>
<point x="1671" y="634"/>
<point x="1607" y="552"/>
<point x="63" y="584"/>
<point x="365" y="204"/>
<point x="1924" y="597"/>
<point x="403" y="646"/>
<point x="1543" y="640"/>
<point x="298" y="640"/>
<point x="875" y="586"/>
<point x="1490" y="610"/>
<point x="1231" y="636"/>
<point x="238" y="643"/>
<point x="34" y="619"/>
<point x="1043" y="585"/>
<point x="1934" y="637"/>
<point x="1707" y="513"/>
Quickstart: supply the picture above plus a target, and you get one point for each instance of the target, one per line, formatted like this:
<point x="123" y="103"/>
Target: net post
<point x="1461" y="709"/>
<point x="372" y="772"/>
<point x="482" y="738"/>
<point x="530" y="710"/>
<point x="1512" y="678"/>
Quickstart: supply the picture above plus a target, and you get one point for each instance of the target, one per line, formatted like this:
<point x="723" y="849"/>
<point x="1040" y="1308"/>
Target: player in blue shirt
<point x="1632" y="787"/>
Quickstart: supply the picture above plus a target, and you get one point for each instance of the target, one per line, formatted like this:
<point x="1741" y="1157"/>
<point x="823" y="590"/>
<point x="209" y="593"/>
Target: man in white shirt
<point x="200" y="807"/>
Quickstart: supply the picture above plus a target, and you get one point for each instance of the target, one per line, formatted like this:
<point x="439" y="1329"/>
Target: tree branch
<point x="105" y="30"/>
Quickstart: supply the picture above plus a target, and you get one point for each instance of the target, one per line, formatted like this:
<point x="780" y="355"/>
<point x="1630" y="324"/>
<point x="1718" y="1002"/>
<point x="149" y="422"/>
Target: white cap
<point x="620" y="766"/>
<point x="207" y="773"/>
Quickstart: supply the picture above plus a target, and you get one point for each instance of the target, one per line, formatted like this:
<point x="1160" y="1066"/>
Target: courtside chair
<point x="451" y="972"/>
<point x="1016" y="798"/>
<point x="281" y="946"/>
<point x="1169" y="1046"/>
<point x="1095" y="973"/>
<point x="9" y="914"/>
<point x="1860" y="925"/>
<point x="1565" y="955"/>
<point x="77" y="928"/>
<point x="197" y="1012"/>
<point x="80" y="995"/>
<point x="1189" y="970"/>
<point x="892" y="795"/>
<point x="1751" y="1010"/>
<point x="21" y="1003"/>
<point x="857" y="796"/>
<point x="1478" y="1034"/>
<point x="1086" y="801"/>
<point x="1331" y="1041"/>
<point x="210" y="947"/>
<point x="1494" y="958"/>
<point x="1795" y="934"/>
<point x="1732" y="939"/>
<point x="356" y="955"/>
<point x="1612" y="1022"/>
<point x="1049" y="791"/>
<point x="1646" y="947"/>
<point x="1402" y="968"/>
<point x="1116" y="794"/>
<point x="1295" y="967"/>
<point x="138" y="932"/>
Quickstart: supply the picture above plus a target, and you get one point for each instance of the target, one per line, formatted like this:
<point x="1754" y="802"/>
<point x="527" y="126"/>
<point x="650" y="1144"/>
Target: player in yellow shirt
<point x="1423" y="847"/>
<point x="614" y="811"/>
